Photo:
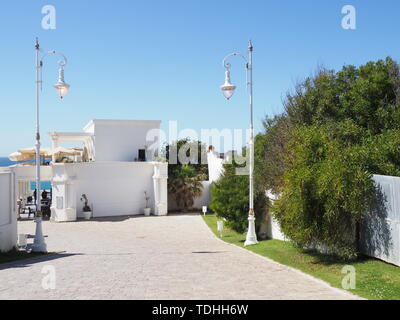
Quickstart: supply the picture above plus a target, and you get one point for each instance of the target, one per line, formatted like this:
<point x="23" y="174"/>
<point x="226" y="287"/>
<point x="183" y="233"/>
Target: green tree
<point x="271" y="153"/>
<point x="337" y="130"/>
<point x="325" y="192"/>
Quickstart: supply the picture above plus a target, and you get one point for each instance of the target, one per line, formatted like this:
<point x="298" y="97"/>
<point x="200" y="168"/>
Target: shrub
<point x="230" y="199"/>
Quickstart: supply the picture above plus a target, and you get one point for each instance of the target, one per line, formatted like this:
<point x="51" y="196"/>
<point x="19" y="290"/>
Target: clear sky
<point x="161" y="60"/>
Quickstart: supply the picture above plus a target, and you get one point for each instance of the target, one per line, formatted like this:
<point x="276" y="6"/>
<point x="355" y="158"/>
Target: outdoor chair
<point x="28" y="210"/>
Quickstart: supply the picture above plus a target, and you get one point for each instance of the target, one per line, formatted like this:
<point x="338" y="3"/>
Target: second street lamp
<point x="228" y="90"/>
<point x="39" y="245"/>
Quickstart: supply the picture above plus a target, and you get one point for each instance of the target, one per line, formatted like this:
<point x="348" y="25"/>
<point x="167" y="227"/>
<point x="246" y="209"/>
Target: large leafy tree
<point x="337" y="130"/>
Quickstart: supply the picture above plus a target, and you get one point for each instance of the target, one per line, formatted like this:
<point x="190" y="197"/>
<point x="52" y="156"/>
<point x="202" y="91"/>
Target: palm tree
<point x="184" y="186"/>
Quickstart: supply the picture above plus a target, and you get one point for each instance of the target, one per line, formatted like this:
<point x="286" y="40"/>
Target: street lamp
<point x="228" y="89"/>
<point x="39" y="244"/>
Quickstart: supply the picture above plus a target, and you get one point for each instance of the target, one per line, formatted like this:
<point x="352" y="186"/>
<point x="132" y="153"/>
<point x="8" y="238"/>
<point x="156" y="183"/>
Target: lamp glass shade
<point x="228" y="89"/>
<point x="228" y="93"/>
<point x="62" y="89"/>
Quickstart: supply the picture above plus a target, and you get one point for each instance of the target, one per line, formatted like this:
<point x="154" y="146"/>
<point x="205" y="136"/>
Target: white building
<point x="117" y="166"/>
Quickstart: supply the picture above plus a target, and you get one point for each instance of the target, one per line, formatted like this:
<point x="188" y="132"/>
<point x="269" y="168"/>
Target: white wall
<point x="120" y="140"/>
<point x="215" y="166"/>
<point x="112" y="188"/>
<point x="270" y="227"/>
<point x="8" y="218"/>
<point x="28" y="173"/>
<point x="205" y="198"/>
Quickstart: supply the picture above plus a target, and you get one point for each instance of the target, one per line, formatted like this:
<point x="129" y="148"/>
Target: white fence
<point x="380" y="230"/>
<point x="8" y="220"/>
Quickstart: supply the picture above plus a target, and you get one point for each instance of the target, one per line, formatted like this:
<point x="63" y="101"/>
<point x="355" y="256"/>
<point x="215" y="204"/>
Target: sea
<point x="44" y="185"/>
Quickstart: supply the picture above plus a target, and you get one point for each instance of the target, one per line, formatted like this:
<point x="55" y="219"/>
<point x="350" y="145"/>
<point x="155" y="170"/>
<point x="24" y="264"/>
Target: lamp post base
<point x="39" y="245"/>
<point x="251" y="238"/>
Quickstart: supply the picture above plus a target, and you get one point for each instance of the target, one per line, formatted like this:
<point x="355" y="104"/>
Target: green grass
<point x="375" y="280"/>
<point x="15" y="255"/>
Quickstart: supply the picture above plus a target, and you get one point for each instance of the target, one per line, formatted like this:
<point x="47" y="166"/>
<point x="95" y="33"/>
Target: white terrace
<point x="115" y="168"/>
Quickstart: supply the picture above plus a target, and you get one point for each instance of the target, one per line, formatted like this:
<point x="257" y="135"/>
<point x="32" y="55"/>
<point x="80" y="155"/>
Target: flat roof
<point x="71" y="136"/>
<point x="122" y="122"/>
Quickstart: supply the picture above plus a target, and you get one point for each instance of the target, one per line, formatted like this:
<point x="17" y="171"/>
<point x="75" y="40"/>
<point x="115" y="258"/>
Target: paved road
<point x="174" y="257"/>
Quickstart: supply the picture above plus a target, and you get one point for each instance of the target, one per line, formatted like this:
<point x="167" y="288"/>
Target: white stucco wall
<point x="215" y="166"/>
<point x="270" y="227"/>
<point x="28" y="173"/>
<point x="273" y="229"/>
<point x="8" y="218"/>
<point x="120" y="140"/>
<point x="112" y="188"/>
<point x="205" y="198"/>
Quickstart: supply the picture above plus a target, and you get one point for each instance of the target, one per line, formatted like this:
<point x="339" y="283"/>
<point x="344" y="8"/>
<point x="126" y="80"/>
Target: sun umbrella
<point x="44" y="152"/>
<point x="18" y="156"/>
<point x="61" y="151"/>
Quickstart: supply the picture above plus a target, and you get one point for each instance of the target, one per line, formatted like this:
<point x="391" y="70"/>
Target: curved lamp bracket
<point x="226" y="64"/>
<point x="61" y="63"/>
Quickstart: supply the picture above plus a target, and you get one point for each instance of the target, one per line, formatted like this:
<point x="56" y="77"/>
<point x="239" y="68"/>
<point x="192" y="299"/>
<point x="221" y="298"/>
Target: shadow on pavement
<point x="37" y="259"/>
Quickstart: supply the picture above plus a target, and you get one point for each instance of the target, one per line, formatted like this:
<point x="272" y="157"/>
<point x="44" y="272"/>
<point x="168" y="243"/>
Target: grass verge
<point x="375" y="280"/>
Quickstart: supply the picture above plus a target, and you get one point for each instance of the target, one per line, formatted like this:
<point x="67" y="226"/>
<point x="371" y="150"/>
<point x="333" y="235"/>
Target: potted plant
<point x="147" y="210"/>
<point x="87" y="211"/>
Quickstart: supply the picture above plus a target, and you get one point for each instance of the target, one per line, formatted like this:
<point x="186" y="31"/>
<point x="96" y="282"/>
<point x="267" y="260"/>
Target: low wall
<point x="112" y="188"/>
<point x="8" y="219"/>
<point x="28" y="173"/>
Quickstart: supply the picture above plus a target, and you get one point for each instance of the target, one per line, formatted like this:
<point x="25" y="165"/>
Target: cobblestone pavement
<point x="173" y="257"/>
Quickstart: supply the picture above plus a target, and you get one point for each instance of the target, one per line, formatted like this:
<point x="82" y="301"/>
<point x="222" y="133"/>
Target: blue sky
<point x="162" y="59"/>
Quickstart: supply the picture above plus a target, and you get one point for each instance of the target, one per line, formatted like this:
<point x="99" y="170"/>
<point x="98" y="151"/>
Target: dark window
<point x="142" y="155"/>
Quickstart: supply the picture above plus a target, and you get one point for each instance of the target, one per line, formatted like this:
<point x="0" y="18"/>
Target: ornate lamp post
<point x="62" y="88"/>
<point x="228" y="90"/>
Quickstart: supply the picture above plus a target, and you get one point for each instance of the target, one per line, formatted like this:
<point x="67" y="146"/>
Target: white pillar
<point x="55" y="144"/>
<point x="160" y="179"/>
